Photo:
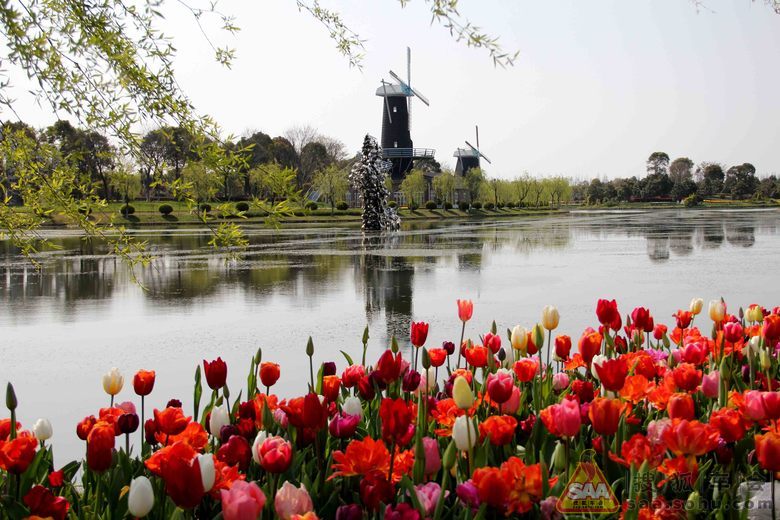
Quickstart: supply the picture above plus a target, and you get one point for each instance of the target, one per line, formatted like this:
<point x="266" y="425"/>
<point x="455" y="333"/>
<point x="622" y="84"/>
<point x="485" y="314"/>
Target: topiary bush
<point x="413" y="206"/>
<point x="510" y="204"/>
<point x="165" y="209"/>
<point x="500" y="205"/>
<point x="448" y="206"/>
<point x="476" y="205"/>
<point x="311" y="205"/>
<point x="463" y="206"/>
<point x="392" y="204"/>
<point x="431" y="205"/>
<point x="342" y="206"/>
<point x="204" y="207"/>
<point x="242" y="206"/>
<point x="127" y="210"/>
<point x="490" y="206"/>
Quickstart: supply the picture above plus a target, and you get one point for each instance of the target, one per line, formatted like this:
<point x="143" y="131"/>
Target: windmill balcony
<point x="414" y="153"/>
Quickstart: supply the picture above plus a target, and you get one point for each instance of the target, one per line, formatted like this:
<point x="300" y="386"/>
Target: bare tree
<point x="301" y="135"/>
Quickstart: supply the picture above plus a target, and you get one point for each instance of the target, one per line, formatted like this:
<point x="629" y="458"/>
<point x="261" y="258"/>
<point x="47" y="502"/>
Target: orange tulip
<point x="465" y="310"/>
<point x="269" y="373"/>
<point x="143" y="382"/>
<point x="684" y="437"/>
<point x="170" y="421"/>
<point x="768" y="450"/>
<point x="16" y="455"/>
<point x="605" y="415"/>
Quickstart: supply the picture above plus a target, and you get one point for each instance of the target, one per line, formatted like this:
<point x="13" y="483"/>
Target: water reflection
<point x="312" y="260"/>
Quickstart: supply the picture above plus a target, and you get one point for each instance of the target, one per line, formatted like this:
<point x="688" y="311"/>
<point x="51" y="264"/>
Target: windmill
<point x="397" y="146"/>
<point x="469" y="158"/>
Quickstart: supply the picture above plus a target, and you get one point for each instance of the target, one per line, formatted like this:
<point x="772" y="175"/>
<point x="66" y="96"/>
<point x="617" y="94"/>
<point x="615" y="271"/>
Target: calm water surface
<point x="81" y="314"/>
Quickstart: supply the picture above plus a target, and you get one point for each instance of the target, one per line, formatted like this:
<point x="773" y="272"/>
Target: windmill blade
<point x="422" y="98"/>
<point x="387" y="103"/>
<point x="478" y="152"/>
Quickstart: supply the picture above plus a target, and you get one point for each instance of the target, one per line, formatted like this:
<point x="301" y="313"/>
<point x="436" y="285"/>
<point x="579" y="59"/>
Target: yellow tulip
<point x="717" y="310"/>
<point x="461" y="393"/>
<point x="550" y="317"/>
<point x="519" y="339"/>
<point x="696" y="306"/>
<point x="113" y="381"/>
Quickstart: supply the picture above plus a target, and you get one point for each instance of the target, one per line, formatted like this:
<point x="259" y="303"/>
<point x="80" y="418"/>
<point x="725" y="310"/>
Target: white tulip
<point x="113" y="381"/>
<point x="352" y="406"/>
<point x="259" y="440"/>
<point x="428" y="381"/>
<point x="696" y="306"/>
<point x="42" y="429"/>
<point x="207" y="475"/>
<point x="464" y="433"/>
<point x="509" y="360"/>
<point x="519" y="338"/>
<point x="598" y="359"/>
<point x="220" y="416"/>
<point x="140" y="499"/>
<point x="717" y="311"/>
<point x="755" y="344"/>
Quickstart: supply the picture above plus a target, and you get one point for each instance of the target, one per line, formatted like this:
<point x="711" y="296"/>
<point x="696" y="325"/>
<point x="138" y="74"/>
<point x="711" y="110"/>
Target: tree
<point x="332" y="182"/>
<point x="522" y="187"/>
<point x="657" y="163"/>
<point x="711" y="179"/>
<point x="152" y="160"/>
<point x="313" y="157"/>
<point x="559" y="188"/>
<point x="368" y="178"/>
<point x="301" y="135"/>
<point x="474" y="179"/>
<point x="413" y="187"/>
<point x="203" y="183"/>
<point x="444" y="186"/>
<point x="273" y="180"/>
<point x="683" y="188"/>
<point x="124" y="182"/>
<point x="89" y="152"/>
<point x="681" y="170"/>
<point x="741" y="181"/>
<point x="536" y="189"/>
<point x="769" y="187"/>
<point x="284" y="153"/>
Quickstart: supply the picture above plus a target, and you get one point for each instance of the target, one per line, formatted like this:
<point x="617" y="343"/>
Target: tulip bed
<point x="676" y="419"/>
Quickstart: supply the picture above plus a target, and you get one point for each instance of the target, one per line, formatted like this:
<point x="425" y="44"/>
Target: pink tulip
<point x="243" y="501"/>
<point x="560" y="381"/>
<point x="428" y="495"/>
<point x="710" y="384"/>
<point x="567" y="417"/>
<point x="754" y="405"/>
<point x="655" y="430"/>
<point x="281" y="418"/>
<point x="499" y="385"/>
<point x="127" y="406"/>
<point x="513" y="404"/>
<point x="432" y="456"/>
<point x="343" y="425"/>
<point x="291" y="500"/>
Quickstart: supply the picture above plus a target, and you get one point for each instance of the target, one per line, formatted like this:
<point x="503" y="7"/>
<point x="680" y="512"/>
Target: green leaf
<point x="347" y="357"/>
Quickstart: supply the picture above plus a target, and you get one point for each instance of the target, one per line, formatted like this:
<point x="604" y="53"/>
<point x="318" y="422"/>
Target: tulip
<point x="680" y="406"/>
<point x="42" y="430"/>
<point x="519" y="339"/>
<point x="710" y="384"/>
<point x="269" y="373"/>
<point x="275" y="455"/>
<point x="754" y="313"/>
<point x="550" y="317"/>
<point x="432" y="456"/>
<point x="128" y="423"/>
<point x="113" y="382"/>
<point x="465" y="310"/>
<point x="608" y="314"/>
<point x="140" y="498"/>
<point x="438" y="356"/>
<point x="733" y="332"/>
<point x="388" y="368"/>
<point x="659" y="331"/>
<point x="351" y="375"/>
<point x="396" y="420"/>
<point x="331" y="385"/>
<point x="216" y="373"/>
<point x="461" y="393"/>
<point x="771" y="328"/>
<point x="419" y="333"/>
<point x="696" y="306"/>
<point x="100" y="447"/>
<point x="560" y="381"/>
<point x="220" y="416"/>
<point x="349" y="512"/>
<point x="343" y="425"/>
<point x="410" y="381"/>
<point x="568" y="417"/>
<point x="717" y="310"/>
<point x="428" y="496"/>
<point x="143" y="382"/>
<point x="464" y="433"/>
<point x="589" y="345"/>
<point x="259" y="440"/>
<point x="291" y="500"/>
<point x="754" y="405"/>
<point x="642" y="319"/>
<point x="605" y="415"/>
<point x="768" y="451"/>
<point x="243" y="501"/>
<point x="352" y="406"/>
<point x="329" y="368"/>
<point x="562" y="347"/>
<point x="207" y="471"/>
<point x="612" y="373"/>
<point x="595" y="363"/>
<point x="499" y="385"/>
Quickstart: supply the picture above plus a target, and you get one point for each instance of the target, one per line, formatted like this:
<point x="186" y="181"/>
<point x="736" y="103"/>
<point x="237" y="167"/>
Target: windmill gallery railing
<point x="414" y="153"/>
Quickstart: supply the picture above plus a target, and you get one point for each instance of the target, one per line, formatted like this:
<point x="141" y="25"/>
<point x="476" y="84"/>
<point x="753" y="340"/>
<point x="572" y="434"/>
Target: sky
<point x="598" y="85"/>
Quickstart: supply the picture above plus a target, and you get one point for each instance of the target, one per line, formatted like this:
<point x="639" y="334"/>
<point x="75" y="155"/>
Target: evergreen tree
<point x="368" y="178"/>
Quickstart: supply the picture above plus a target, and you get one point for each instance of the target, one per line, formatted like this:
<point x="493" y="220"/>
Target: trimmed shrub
<point x="448" y="206"/>
<point x="342" y="206"/>
<point x="510" y="204"/>
<point x="126" y="210"/>
<point x="242" y="206"/>
<point x="204" y="207"/>
<point x="311" y="205"/>
<point x="431" y="205"/>
<point x="413" y="206"/>
<point x="299" y="213"/>
<point x="500" y="205"/>
<point x="490" y="206"/>
<point x="165" y="209"/>
<point x="392" y="204"/>
<point x="463" y="206"/>
<point x="477" y="205"/>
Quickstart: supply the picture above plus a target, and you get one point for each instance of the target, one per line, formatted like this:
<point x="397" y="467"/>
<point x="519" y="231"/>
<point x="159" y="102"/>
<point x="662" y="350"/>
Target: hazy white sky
<point x="598" y="86"/>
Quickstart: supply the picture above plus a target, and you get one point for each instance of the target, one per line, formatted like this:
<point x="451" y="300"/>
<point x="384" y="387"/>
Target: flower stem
<point x="460" y="344"/>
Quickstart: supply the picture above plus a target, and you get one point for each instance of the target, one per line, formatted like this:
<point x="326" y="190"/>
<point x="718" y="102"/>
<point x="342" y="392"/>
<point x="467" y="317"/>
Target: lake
<point x="64" y="325"/>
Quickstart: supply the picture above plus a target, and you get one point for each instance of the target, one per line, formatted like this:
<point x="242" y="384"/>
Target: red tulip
<point x="476" y="356"/>
<point x="612" y="373"/>
<point x="733" y="332"/>
<point x="315" y="413"/>
<point x="583" y="390"/>
<point x="465" y="310"/>
<point x="331" y="385"/>
<point x="235" y="452"/>
<point x="683" y="437"/>
<point x="170" y="421"/>
<point x="43" y="504"/>
<point x="562" y="347"/>
<point x="269" y="373"/>
<point x="686" y="377"/>
<point x="275" y="455"/>
<point x="419" y="333"/>
<point x="389" y="366"/>
<point x="344" y="426"/>
<point x="216" y="373"/>
<point x="683" y="318"/>
<point x="642" y="319"/>
<point x="100" y="447"/>
<point x="143" y="382"/>
<point x="608" y="314"/>
<point x="768" y="451"/>
<point x="437" y="356"/>
<point x="771" y="328"/>
<point x="180" y="470"/>
<point x="605" y="415"/>
<point x="563" y="419"/>
<point x="526" y="369"/>
<point x="659" y="331"/>
<point x="680" y="406"/>
<point x="590" y="344"/>
<point x="376" y="489"/>
<point x="499" y="386"/>
<point x="730" y="423"/>
<point x="493" y="342"/>
<point x="352" y="375"/>
<point x="16" y="455"/>
<point x="85" y="426"/>
<point x="396" y="420"/>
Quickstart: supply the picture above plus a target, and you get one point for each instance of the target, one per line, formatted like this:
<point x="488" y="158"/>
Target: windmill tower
<point x="397" y="146"/>
<point x="469" y="158"/>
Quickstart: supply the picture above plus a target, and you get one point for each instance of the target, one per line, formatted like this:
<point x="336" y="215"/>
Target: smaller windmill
<point x="469" y="158"/>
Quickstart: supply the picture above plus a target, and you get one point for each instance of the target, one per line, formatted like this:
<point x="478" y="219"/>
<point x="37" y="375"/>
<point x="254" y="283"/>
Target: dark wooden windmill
<point x="397" y="146"/>
<point x="468" y="158"/>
